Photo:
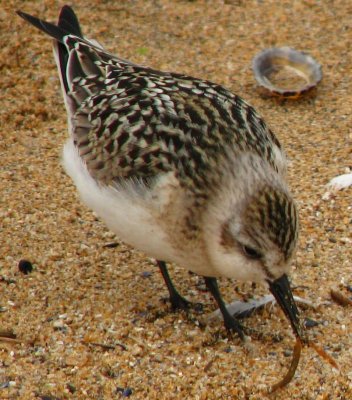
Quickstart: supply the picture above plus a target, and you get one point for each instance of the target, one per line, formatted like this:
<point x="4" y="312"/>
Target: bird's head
<point x="256" y="240"/>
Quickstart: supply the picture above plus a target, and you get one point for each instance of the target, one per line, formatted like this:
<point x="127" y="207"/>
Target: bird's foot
<point x="234" y="327"/>
<point x="179" y="303"/>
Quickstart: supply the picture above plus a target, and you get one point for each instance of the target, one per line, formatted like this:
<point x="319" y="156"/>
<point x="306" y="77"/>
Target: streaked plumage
<point x="178" y="167"/>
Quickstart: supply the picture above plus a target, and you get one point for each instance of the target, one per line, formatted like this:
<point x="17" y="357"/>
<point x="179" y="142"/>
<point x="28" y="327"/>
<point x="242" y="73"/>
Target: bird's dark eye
<point x="252" y="253"/>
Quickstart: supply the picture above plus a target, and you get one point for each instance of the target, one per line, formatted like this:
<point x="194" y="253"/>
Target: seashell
<point x="286" y="72"/>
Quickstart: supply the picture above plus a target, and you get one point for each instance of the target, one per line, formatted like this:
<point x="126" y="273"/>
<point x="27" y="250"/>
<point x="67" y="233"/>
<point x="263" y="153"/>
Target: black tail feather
<point x="68" y="24"/>
<point x="54" y="31"/>
<point x="68" y="21"/>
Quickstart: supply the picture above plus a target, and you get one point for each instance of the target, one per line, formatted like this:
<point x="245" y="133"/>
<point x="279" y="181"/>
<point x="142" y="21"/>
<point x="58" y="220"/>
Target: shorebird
<point x="178" y="167"/>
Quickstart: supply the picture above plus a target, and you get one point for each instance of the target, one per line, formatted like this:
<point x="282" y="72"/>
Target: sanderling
<point x="177" y="167"/>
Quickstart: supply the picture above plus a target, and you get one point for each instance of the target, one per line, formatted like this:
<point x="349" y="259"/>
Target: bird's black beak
<point x="281" y="290"/>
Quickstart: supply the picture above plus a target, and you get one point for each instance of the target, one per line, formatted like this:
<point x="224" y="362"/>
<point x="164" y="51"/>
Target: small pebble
<point x="25" y="267"/>
<point x="136" y="350"/>
<point x="315" y="265"/>
<point x="340" y="298"/>
<point x="126" y="392"/>
<point x="111" y="245"/>
<point x="59" y="325"/>
<point x="72" y="388"/>
<point x="7" y="384"/>
<point x="310" y="323"/>
<point x="288" y="353"/>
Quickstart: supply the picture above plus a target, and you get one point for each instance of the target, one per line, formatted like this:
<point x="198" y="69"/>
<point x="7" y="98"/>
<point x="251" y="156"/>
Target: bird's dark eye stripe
<point x="252" y="253"/>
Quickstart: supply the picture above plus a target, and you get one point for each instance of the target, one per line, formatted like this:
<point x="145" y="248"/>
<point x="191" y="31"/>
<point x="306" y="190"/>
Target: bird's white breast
<point x="126" y="213"/>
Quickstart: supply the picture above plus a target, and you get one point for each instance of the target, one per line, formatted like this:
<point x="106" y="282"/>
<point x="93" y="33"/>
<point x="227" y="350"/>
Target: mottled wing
<point x="135" y="122"/>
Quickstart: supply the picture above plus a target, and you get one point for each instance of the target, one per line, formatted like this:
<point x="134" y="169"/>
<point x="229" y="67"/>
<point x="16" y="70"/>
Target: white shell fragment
<point x="286" y="72"/>
<point x="340" y="182"/>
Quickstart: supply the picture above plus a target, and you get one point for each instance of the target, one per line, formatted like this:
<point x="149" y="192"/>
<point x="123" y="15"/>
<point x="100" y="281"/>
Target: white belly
<point x="123" y="211"/>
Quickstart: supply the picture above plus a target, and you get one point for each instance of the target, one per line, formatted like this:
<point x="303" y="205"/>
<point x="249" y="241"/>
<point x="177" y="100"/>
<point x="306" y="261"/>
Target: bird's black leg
<point x="177" y="301"/>
<point x="230" y="321"/>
